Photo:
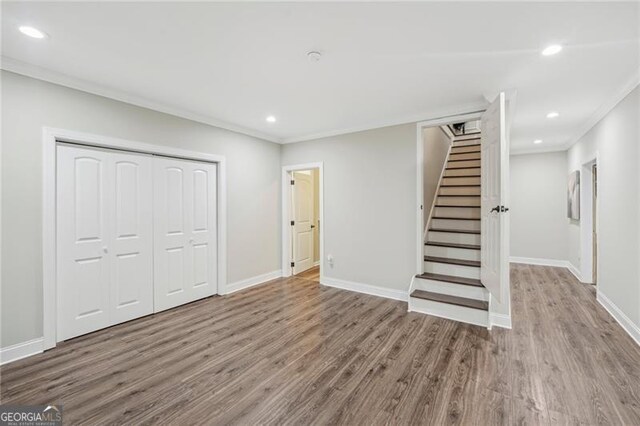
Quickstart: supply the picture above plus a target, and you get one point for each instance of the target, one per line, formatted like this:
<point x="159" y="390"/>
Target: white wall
<point x="253" y="178"/>
<point x="539" y="206"/>
<point x="435" y="143"/>
<point x="616" y="141"/>
<point x="369" y="203"/>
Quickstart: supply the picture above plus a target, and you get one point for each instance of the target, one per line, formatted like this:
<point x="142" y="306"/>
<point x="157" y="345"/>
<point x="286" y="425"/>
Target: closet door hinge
<point x="293" y="222"/>
<point x="293" y="264"/>
<point x="293" y="182"/>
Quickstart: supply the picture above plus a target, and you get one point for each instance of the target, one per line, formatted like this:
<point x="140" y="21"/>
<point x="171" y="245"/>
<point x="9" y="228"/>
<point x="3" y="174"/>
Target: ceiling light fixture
<point x="537" y="141"/>
<point x="271" y="119"/>
<point x="32" y="32"/>
<point x="552" y="50"/>
<point x="553" y="114"/>
<point x="314" y="56"/>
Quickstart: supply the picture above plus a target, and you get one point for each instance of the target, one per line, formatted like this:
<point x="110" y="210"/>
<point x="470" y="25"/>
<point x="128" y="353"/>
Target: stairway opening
<point x="448" y="282"/>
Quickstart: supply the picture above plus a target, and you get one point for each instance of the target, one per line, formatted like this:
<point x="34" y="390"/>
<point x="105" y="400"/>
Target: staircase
<point x="450" y="285"/>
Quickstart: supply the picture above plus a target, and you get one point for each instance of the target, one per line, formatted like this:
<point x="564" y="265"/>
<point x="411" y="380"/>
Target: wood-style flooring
<point x="295" y="352"/>
<point x="312" y="274"/>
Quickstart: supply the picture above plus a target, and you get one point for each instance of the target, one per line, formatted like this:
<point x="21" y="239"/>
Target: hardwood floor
<point x="295" y="352"/>
<point x="312" y="274"/>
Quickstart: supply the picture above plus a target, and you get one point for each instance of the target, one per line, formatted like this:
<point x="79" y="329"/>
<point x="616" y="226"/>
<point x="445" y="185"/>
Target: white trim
<point x="39" y="73"/>
<point x="605" y="108"/>
<point x="543" y="150"/>
<point x="540" y="261"/>
<point x="499" y="320"/>
<point x="369" y="289"/>
<point x="21" y="350"/>
<point x="575" y="271"/>
<point x="627" y="325"/>
<point x="286" y="227"/>
<point x="376" y="124"/>
<point x="50" y="137"/>
<point x="548" y="262"/>
<point x="316" y="263"/>
<point x="252" y="281"/>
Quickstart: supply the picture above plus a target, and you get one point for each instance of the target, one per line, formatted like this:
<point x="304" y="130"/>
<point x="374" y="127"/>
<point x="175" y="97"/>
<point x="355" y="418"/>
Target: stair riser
<point x="458" y="149"/>
<point x="464" y="156"/>
<point x="461" y="212"/>
<point x="462" y="225"/>
<point x="466" y="142"/>
<point x="452" y="253"/>
<point x="461" y="164"/>
<point x="462" y="172"/>
<point x="461" y="181"/>
<point x="450" y="237"/>
<point x="452" y="289"/>
<point x="452" y="312"/>
<point x="452" y="270"/>
<point x="458" y="201"/>
<point x="459" y="190"/>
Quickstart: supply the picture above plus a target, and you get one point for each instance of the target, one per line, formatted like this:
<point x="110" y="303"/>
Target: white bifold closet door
<point x="184" y="208"/>
<point x="104" y="239"/>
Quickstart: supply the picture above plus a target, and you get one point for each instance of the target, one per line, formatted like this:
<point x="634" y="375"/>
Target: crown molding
<point x="39" y="73"/>
<point x="605" y="108"/>
<point x="543" y="150"/>
<point x="414" y="118"/>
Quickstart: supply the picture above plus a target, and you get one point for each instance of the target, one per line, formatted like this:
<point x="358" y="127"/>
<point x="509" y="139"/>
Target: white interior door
<point x="103" y="239"/>
<point x="185" y="237"/>
<point x="302" y="208"/>
<point x="131" y="239"/>
<point x="494" y="272"/>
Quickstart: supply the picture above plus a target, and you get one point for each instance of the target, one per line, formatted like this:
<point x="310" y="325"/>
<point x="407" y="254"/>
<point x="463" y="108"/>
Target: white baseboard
<point x="365" y="288"/>
<point x="500" y="320"/>
<point x="575" y="271"/>
<point x="539" y="261"/>
<point x="548" y="262"/>
<point x="252" y="281"/>
<point x="628" y="325"/>
<point x="21" y="350"/>
<point x="316" y="263"/>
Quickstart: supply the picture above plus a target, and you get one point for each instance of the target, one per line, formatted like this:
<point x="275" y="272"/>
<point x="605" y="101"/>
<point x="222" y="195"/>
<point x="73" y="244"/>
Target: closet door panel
<point x="83" y="266"/>
<point x="203" y="230"/>
<point x="172" y="251"/>
<point x="132" y="239"/>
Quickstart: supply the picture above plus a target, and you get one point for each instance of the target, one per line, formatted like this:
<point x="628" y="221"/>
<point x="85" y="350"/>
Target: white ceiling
<point x="383" y="63"/>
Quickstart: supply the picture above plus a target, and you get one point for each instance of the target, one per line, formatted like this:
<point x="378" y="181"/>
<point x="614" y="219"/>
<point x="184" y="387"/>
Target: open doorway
<point x="589" y="221"/>
<point x="302" y="221"/>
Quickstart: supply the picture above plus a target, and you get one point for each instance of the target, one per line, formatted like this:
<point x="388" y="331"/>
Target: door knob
<point x="313" y="226"/>
<point x="495" y="209"/>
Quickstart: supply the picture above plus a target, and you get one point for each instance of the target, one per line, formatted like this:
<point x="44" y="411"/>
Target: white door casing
<point x="104" y="263"/>
<point x="184" y="219"/>
<point x="494" y="270"/>
<point x="302" y="209"/>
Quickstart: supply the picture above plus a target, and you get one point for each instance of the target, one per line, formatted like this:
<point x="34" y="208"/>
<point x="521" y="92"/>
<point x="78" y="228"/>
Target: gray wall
<point x="369" y="203"/>
<point x="538" y="207"/>
<point x="616" y="140"/>
<point x="435" y="144"/>
<point x="253" y="178"/>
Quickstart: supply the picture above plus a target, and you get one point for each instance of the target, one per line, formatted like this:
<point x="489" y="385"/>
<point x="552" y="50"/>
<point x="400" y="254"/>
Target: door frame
<point x="50" y="139"/>
<point x="586" y="220"/>
<point x="286" y="213"/>
<point x="420" y="209"/>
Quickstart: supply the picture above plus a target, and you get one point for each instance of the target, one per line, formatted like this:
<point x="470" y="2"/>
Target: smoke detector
<point x="314" y="56"/>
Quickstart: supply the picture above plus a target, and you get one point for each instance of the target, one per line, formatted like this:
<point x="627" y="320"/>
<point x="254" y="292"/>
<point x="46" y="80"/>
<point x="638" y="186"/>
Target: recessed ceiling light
<point x="271" y="119"/>
<point x="537" y="141"/>
<point x="552" y="50"/>
<point x="32" y="32"/>
<point x="553" y="114"/>
<point x="314" y="56"/>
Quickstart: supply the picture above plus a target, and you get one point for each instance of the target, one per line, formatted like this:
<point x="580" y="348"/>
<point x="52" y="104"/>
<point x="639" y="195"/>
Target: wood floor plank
<point x="295" y="352"/>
